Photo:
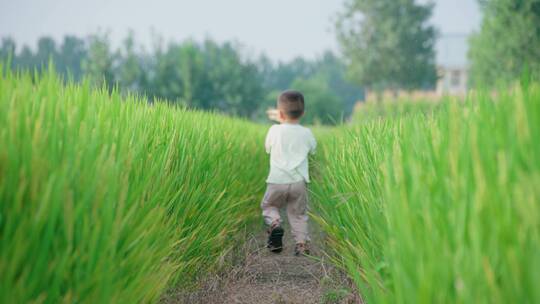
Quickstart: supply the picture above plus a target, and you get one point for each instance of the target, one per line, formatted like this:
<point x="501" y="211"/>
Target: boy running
<point x="289" y="144"/>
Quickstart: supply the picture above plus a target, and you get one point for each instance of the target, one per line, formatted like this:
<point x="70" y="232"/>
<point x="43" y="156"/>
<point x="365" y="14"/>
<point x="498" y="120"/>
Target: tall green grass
<point x="441" y="208"/>
<point x="106" y="199"/>
<point x="373" y="110"/>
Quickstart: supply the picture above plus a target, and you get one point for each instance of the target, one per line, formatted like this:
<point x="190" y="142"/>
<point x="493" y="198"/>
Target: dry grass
<point x="262" y="277"/>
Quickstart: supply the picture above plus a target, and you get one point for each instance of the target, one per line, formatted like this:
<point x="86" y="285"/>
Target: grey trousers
<point x="294" y="197"/>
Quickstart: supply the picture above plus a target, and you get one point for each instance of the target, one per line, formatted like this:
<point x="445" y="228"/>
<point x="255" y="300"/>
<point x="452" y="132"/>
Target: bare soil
<point x="263" y="277"/>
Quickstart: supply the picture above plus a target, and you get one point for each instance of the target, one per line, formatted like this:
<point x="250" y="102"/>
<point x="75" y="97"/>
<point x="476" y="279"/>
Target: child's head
<point x="290" y="105"/>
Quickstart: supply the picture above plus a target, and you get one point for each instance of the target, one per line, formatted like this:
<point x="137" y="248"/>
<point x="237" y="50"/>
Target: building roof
<point x="451" y="51"/>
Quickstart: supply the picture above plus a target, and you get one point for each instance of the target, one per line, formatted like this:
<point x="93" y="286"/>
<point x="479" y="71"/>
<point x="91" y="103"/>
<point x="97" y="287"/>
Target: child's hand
<point x="273" y="114"/>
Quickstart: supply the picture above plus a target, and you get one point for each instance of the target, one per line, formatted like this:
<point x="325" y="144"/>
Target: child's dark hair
<point x="291" y="103"/>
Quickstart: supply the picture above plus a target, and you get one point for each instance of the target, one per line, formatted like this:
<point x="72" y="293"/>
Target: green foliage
<point x="129" y="72"/>
<point x="440" y="208"/>
<point x="70" y="57"/>
<point x="369" y="111"/>
<point x="46" y="51"/>
<point x="203" y="75"/>
<point x="389" y="44"/>
<point x="333" y="71"/>
<point x="98" y="66"/>
<point x="106" y="199"/>
<point x="335" y="296"/>
<point x="7" y="50"/>
<point x="508" y="43"/>
<point x="330" y="97"/>
<point x="322" y="107"/>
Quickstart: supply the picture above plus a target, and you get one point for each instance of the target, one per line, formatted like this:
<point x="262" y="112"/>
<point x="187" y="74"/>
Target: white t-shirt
<point x="289" y="146"/>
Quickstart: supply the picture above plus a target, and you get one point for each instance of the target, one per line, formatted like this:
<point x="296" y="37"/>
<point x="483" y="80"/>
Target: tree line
<point x="205" y="75"/>
<point x="385" y="44"/>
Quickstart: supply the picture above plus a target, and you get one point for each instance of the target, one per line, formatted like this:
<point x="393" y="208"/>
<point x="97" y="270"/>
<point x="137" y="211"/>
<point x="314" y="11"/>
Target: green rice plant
<point x="107" y="199"/>
<point x="373" y="110"/>
<point x="440" y="208"/>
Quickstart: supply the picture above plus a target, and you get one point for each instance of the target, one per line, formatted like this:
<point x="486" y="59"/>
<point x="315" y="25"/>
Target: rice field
<point x="437" y="207"/>
<point x="108" y="199"/>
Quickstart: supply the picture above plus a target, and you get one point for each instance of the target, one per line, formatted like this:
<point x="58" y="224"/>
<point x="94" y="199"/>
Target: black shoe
<point x="275" y="239"/>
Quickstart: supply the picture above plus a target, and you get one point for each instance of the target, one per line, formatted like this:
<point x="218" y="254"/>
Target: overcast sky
<point x="282" y="29"/>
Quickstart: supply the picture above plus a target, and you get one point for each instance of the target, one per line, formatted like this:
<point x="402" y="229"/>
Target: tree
<point x="70" y="57"/>
<point x="235" y="82"/>
<point x="207" y="75"/>
<point x="203" y="75"/>
<point x="129" y="73"/>
<point x="26" y="59"/>
<point x="98" y="65"/>
<point x="508" y="42"/>
<point x="388" y="43"/>
<point x="332" y="70"/>
<point x="328" y="68"/>
<point x="284" y="74"/>
<point x="322" y="106"/>
<point x="46" y="51"/>
<point x="7" y="51"/>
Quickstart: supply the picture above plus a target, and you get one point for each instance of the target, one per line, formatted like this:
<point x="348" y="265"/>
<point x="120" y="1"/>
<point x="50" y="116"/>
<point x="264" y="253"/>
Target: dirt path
<point x="264" y="278"/>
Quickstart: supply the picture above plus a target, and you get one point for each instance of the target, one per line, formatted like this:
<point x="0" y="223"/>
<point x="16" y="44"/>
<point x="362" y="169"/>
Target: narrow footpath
<point x="263" y="277"/>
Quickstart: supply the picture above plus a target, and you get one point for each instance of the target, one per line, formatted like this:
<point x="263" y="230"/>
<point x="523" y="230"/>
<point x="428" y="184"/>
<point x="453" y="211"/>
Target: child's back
<point x="289" y="144"/>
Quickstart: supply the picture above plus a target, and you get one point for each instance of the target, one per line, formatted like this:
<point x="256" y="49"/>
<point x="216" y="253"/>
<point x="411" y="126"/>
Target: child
<point x="289" y="144"/>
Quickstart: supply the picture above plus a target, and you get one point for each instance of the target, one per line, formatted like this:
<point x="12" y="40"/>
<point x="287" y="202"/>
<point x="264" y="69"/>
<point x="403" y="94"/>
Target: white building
<point x="452" y="64"/>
